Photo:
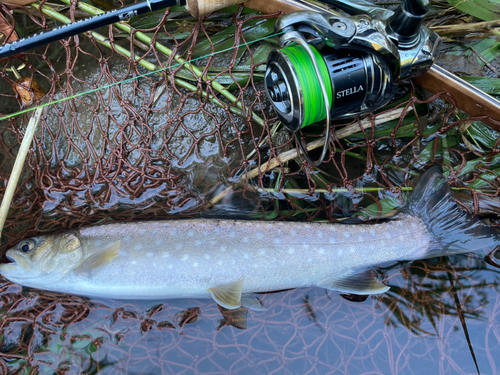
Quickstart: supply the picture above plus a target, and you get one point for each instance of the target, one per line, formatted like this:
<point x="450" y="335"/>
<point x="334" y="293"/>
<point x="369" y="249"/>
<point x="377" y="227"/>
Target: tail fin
<point x="454" y="231"/>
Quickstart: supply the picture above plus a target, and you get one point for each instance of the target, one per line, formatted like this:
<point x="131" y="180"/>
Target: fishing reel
<point x="331" y="66"/>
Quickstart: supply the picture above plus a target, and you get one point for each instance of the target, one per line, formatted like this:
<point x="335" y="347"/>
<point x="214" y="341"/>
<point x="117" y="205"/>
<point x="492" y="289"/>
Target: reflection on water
<point x="414" y="328"/>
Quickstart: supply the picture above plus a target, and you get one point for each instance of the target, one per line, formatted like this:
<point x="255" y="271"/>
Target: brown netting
<point x="157" y="147"/>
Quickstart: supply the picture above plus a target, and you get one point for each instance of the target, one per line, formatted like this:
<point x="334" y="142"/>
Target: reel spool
<point x="346" y="66"/>
<point x="355" y="82"/>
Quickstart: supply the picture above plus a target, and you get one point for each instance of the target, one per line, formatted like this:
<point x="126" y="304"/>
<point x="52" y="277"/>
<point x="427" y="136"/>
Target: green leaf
<point x="254" y="29"/>
<point x="488" y="48"/>
<point x="482" y="9"/>
<point x="92" y="347"/>
<point x="261" y="53"/>
<point x="488" y="85"/>
<point x="151" y="20"/>
<point x="483" y="134"/>
<point x="380" y="208"/>
<point x="485" y="179"/>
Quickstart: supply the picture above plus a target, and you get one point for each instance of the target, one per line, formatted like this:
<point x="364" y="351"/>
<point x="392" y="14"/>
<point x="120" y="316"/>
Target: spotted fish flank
<point x="224" y="259"/>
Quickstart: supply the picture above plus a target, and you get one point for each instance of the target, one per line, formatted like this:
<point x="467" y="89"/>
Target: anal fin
<point x="228" y="295"/>
<point x="362" y="283"/>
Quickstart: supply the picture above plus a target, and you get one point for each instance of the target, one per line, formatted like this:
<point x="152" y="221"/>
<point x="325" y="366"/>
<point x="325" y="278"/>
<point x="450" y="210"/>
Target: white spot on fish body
<point x="173" y="232"/>
<point x="159" y="242"/>
<point x="245" y="240"/>
<point x="347" y="234"/>
<point x="321" y="251"/>
<point x="133" y="262"/>
<point x="170" y="266"/>
<point x="388" y="235"/>
<point x="206" y="256"/>
<point x="143" y="231"/>
<point x="260" y="236"/>
<point x="232" y="234"/>
<point x="191" y="233"/>
<point x="199" y="243"/>
<point x="352" y="249"/>
<point x="179" y="246"/>
<point x="319" y="234"/>
<point x="340" y="252"/>
<point x="233" y="262"/>
<point x="149" y="254"/>
<point x="262" y="251"/>
<point x="373" y="233"/>
<point x="277" y="240"/>
<point x="126" y="238"/>
<point x="165" y="255"/>
<point x="195" y="264"/>
<point x="246" y="256"/>
<point x="223" y="249"/>
<point x="332" y="240"/>
<point x="309" y="260"/>
<point x="291" y="250"/>
<point x="185" y="257"/>
<point x="219" y="262"/>
<point x="293" y="232"/>
<point x="138" y="247"/>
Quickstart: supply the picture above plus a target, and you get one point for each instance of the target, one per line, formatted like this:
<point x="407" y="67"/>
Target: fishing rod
<point x="87" y="24"/>
<point x="197" y="8"/>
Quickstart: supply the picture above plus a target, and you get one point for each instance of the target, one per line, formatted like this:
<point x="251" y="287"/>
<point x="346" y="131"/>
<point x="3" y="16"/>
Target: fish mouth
<point x="17" y="262"/>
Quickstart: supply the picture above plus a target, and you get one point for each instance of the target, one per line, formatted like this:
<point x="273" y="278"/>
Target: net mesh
<point x="168" y="145"/>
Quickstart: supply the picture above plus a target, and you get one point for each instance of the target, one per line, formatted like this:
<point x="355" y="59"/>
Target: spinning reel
<point x="331" y="67"/>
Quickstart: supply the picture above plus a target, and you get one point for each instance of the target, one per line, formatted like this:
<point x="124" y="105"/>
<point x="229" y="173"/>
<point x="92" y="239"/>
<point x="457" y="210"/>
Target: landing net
<point x="201" y="138"/>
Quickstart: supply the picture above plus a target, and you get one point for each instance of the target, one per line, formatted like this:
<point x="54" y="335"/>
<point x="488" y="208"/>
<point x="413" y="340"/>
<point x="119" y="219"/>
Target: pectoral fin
<point x="228" y="295"/>
<point x="362" y="283"/>
<point x="100" y="259"/>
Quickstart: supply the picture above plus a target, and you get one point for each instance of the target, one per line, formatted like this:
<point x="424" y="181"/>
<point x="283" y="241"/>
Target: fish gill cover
<point x="193" y="138"/>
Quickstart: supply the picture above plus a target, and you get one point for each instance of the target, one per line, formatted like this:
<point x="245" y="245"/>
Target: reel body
<point x="346" y="66"/>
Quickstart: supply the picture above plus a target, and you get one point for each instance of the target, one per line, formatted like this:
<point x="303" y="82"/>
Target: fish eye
<point x="26" y="245"/>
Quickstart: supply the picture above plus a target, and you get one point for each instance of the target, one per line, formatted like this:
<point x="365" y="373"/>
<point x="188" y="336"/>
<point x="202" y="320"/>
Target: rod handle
<point x="199" y="8"/>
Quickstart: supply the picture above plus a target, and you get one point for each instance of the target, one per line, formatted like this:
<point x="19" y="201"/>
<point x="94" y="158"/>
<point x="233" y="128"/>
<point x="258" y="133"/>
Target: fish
<point x="228" y="260"/>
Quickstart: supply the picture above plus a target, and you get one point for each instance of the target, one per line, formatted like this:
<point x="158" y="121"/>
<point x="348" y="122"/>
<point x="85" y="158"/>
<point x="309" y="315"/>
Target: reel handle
<point x="407" y="19"/>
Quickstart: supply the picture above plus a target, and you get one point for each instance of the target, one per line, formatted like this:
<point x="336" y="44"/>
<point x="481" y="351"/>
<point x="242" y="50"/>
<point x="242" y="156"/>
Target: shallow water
<point x="415" y="328"/>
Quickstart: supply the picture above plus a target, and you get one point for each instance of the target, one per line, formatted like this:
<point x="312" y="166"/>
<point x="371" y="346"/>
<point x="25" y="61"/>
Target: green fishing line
<point x="134" y="78"/>
<point x="312" y="96"/>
